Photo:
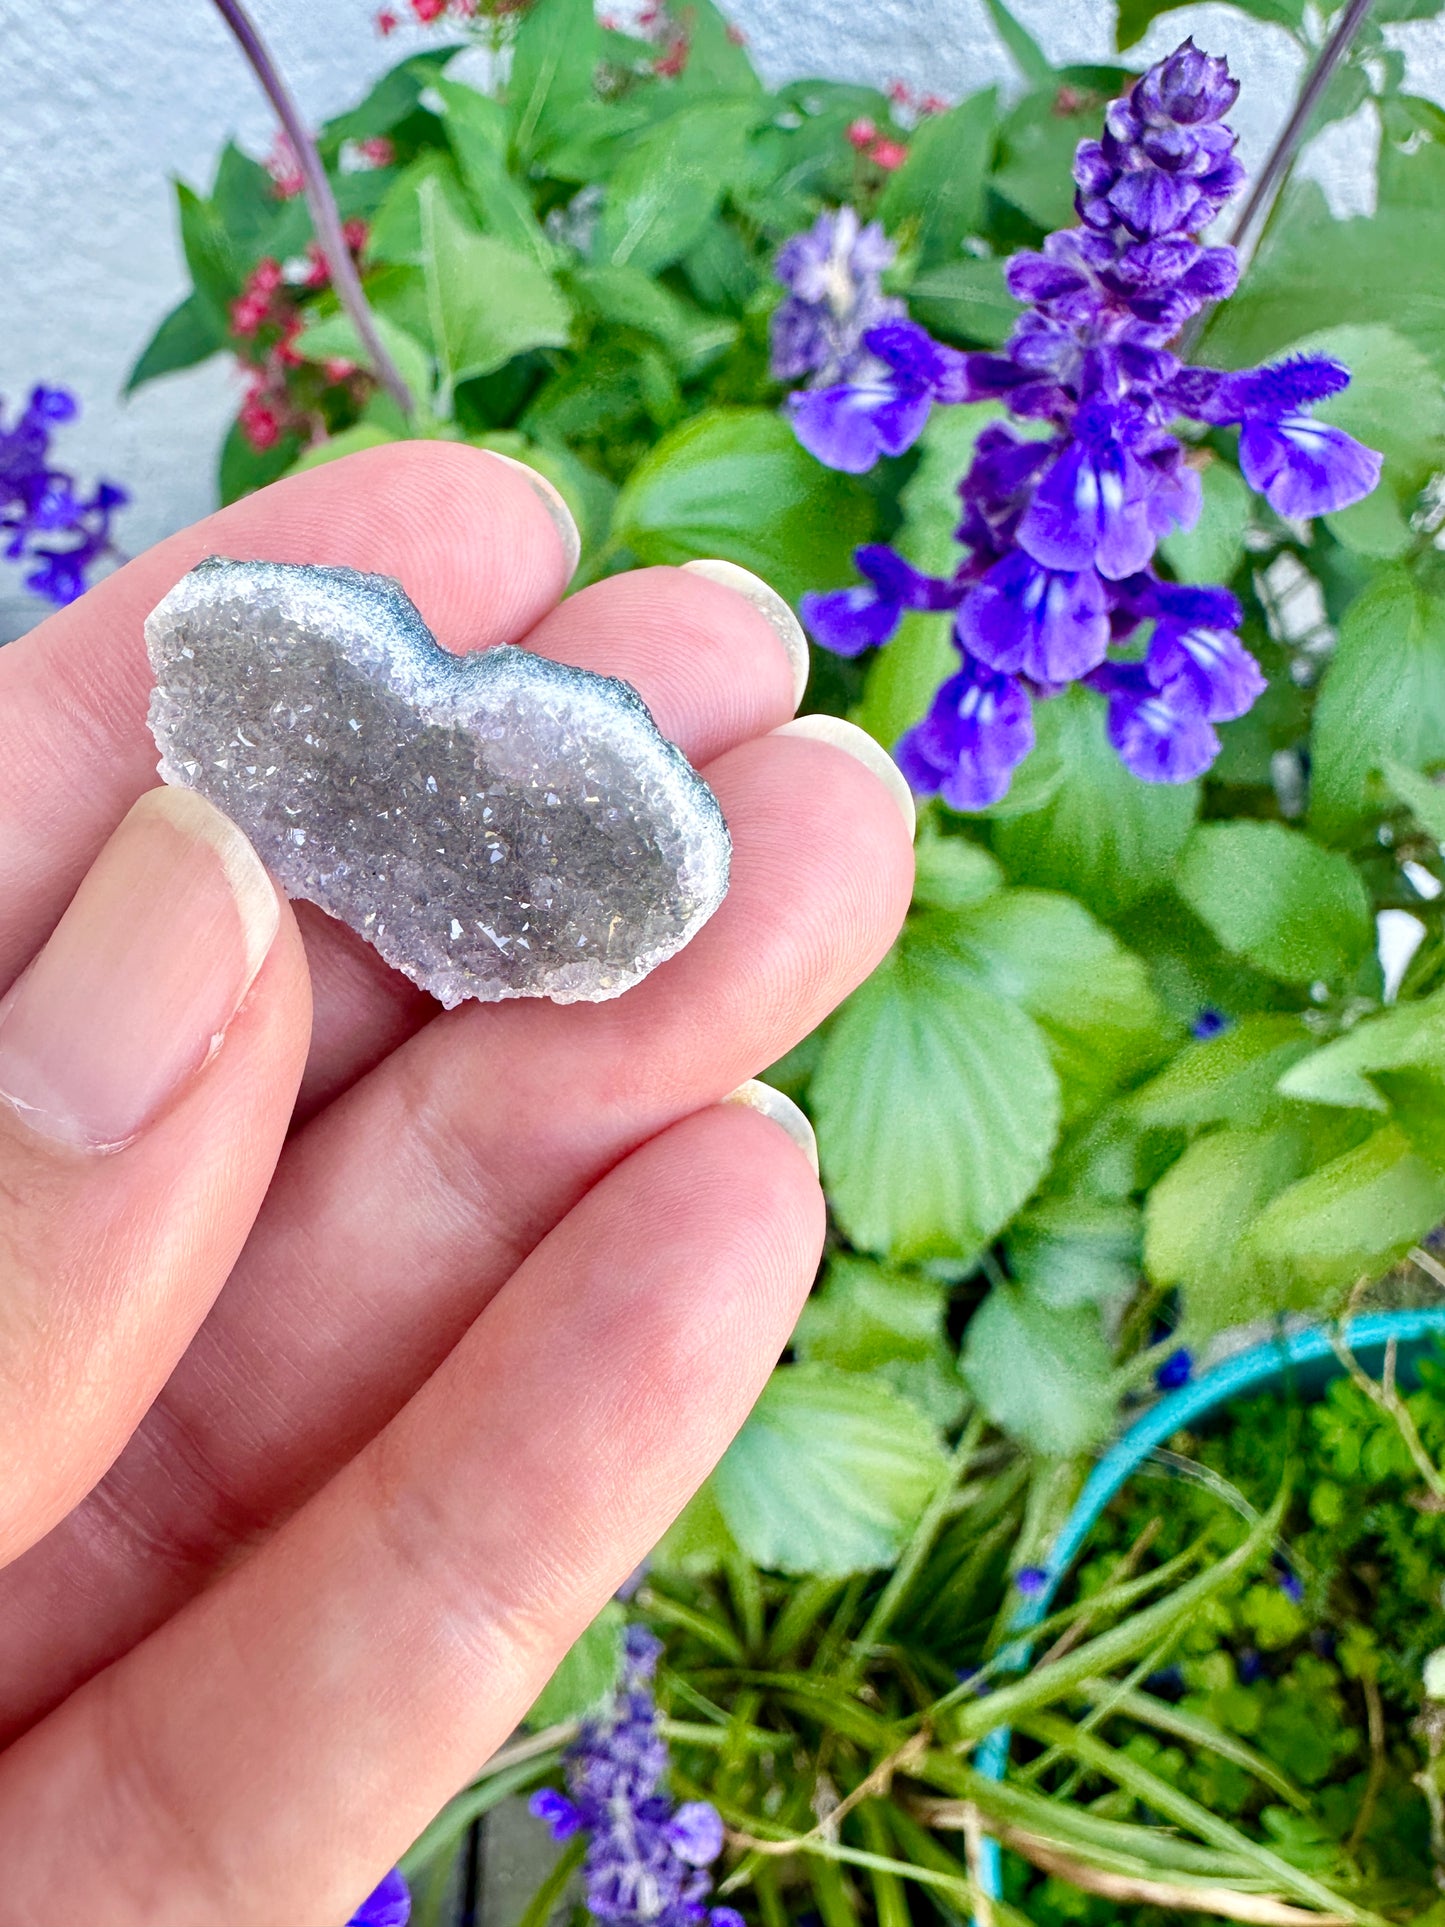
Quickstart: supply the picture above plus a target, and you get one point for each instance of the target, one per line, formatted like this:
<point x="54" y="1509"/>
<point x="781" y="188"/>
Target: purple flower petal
<point x="1280" y="388"/>
<point x="1207" y="669"/>
<point x="1303" y="467"/>
<point x="1052" y="625"/>
<point x="695" y="1833"/>
<point x="556" y="1811"/>
<point x="388" y="1905"/>
<point x="848" y="427"/>
<point x="848" y="621"/>
<point x="979" y="729"/>
<point x="1154" y="739"/>
<point x="1090" y="511"/>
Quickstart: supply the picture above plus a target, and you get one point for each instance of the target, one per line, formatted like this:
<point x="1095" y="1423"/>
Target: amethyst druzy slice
<point x="497" y="825"/>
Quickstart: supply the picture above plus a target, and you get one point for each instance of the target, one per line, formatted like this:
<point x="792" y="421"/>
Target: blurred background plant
<point x="1149" y="1060"/>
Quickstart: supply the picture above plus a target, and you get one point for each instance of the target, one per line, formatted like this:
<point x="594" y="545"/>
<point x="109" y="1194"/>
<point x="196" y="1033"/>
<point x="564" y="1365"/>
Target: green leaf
<point x="1076" y="1250"/>
<point x="1421" y="795"/>
<point x="243" y="469"/>
<point x="1042" y="1373"/>
<point x="486" y="302"/>
<point x="588" y="1671"/>
<point x="476" y="128"/>
<point x="697" y="1541"/>
<point x="829" y="1474"/>
<point x="347" y="442"/>
<point x="939" y="189"/>
<point x="950" y="873"/>
<point x="1296" y="911"/>
<point x="628" y="298"/>
<point x="734" y="483"/>
<point x="391" y="100"/>
<point x="1090" y="996"/>
<point x="1392" y="1063"/>
<point x="244" y="199"/>
<point x="1102" y="835"/>
<point x="1198" y="1216"/>
<point x="554" y="58"/>
<point x="210" y="258"/>
<point x="965" y="301"/>
<point x="335" y="337"/>
<point x="667" y="186"/>
<point x="189" y="334"/>
<point x="1351" y="1219"/>
<point x="1313" y="272"/>
<point x="1229" y="1079"/>
<point x="396" y="233"/>
<point x="1136" y="16"/>
<point x="1382" y="701"/>
<point x="1034" y="171"/>
<point x="1375" y="526"/>
<point x="1025" y="52"/>
<point x="886" y="1323"/>
<point x="1214" y="548"/>
<point x="935" y="1102"/>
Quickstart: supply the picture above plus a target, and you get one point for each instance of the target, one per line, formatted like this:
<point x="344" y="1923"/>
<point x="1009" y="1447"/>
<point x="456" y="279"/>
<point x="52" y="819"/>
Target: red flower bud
<point x="861" y="133"/>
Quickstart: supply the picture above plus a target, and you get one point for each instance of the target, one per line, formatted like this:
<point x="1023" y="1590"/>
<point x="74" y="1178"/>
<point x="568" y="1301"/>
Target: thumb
<point x="149" y="1059"/>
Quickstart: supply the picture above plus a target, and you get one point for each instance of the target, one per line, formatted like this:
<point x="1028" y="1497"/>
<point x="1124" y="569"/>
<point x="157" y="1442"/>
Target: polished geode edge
<point x="444" y="689"/>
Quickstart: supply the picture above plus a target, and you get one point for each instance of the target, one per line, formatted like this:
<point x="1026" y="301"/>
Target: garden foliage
<point x="1140" y="1067"/>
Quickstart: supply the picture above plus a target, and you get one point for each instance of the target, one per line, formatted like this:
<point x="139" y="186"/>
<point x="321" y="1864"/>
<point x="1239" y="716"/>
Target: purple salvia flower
<point x="978" y="731"/>
<point x="832" y="274"/>
<point x="1157" y="737"/>
<point x="645" y="1858"/>
<point x="848" y="621"/>
<point x="882" y="410"/>
<point x="388" y="1905"/>
<point x="1060" y="527"/>
<point x="37" y="499"/>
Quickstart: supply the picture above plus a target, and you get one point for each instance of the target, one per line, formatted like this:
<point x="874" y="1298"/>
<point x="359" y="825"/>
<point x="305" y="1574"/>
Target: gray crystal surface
<point x="497" y="825"/>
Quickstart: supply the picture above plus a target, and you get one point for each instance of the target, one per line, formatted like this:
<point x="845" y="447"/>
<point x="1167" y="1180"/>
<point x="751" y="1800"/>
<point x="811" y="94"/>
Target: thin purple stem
<point x="325" y="216"/>
<point x="1293" y="132"/>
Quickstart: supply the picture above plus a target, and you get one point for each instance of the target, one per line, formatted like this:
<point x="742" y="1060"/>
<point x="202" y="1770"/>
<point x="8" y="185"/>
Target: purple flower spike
<point x="834" y="297"/>
<point x="966" y="749"/>
<point x="1061" y="520"/>
<point x="645" y="1860"/>
<point x="1154" y="737"/>
<point x="388" y="1905"/>
<point x="725" y="1917"/>
<point x="37" y="499"/>
<point x="1051" y="625"/>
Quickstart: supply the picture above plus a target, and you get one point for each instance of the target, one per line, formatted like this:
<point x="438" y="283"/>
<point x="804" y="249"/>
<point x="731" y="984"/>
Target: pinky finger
<point x="267" y="1754"/>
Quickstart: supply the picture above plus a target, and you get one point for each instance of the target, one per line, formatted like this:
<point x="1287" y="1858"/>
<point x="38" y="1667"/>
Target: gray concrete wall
<point x="105" y="100"/>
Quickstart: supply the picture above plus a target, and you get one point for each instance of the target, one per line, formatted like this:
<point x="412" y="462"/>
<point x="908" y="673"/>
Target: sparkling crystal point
<point x="497" y="825"/>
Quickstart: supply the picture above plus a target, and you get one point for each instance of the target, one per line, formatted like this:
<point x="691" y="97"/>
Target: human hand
<point x="294" y="1533"/>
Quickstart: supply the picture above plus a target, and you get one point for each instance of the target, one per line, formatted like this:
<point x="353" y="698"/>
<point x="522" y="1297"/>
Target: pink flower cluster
<point x="266" y="317"/>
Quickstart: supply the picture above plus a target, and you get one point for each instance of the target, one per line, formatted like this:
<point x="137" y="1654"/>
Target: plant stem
<point x="325" y="216"/>
<point x="1282" y="154"/>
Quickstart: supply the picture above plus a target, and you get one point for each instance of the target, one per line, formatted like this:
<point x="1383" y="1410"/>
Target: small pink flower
<point x="889" y="155"/>
<point x="284" y="169"/>
<point x="899" y="92"/>
<point x="933" y="104"/>
<point x="387" y="22"/>
<point x="428" y="10"/>
<point x="354" y="233"/>
<point x="674" y="61"/>
<point x="337" y="369"/>
<point x="259" y="424"/>
<point x="861" y="134"/>
<point x="378" y="151"/>
<point x="736" y="36"/>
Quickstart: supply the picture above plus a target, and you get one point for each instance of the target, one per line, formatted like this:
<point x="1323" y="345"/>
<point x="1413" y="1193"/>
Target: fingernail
<point x="757" y="1096"/>
<point x="860" y="745"/>
<point x="770" y="605"/>
<point x="142" y="975"/>
<point x="554" y="502"/>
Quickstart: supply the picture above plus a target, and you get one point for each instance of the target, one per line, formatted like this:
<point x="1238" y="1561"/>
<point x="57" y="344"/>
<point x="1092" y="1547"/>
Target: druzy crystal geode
<point x="497" y="825"/>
